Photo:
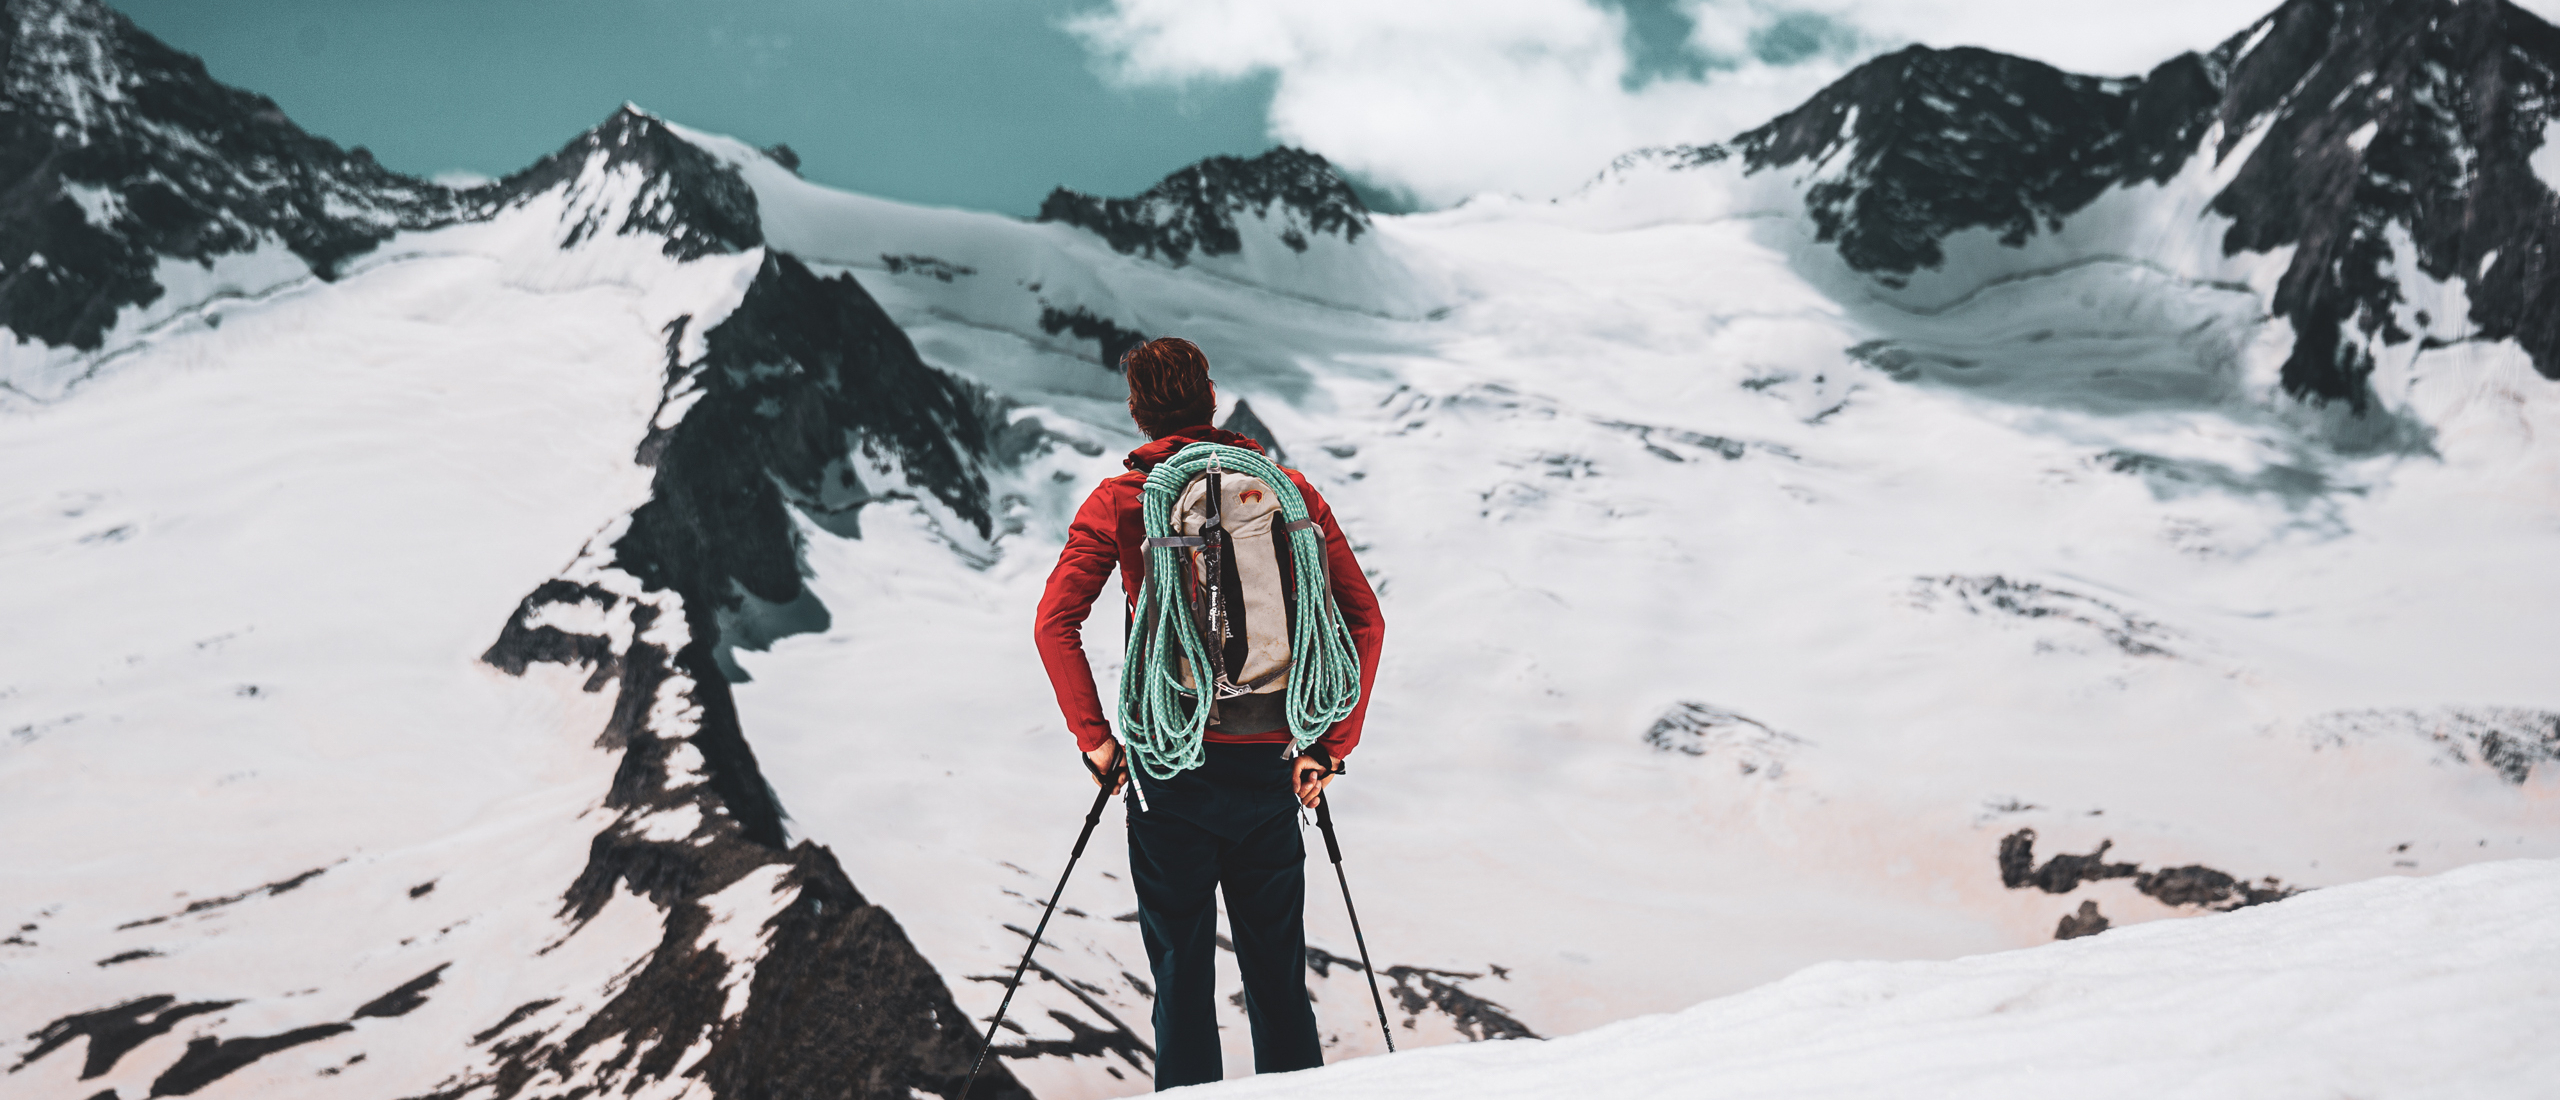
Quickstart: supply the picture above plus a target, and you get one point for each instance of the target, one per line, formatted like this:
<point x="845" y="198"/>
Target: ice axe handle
<point x="1324" y="821"/>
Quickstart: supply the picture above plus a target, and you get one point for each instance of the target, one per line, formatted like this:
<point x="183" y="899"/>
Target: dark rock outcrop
<point x="803" y="389"/>
<point x="1701" y="729"/>
<point x="2192" y="885"/>
<point x="1109" y="338"/>
<point x="2087" y="922"/>
<point x="114" y="1031"/>
<point x="839" y="1002"/>
<point x="1198" y="209"/>
<point x="118" y="153"/>
<point x="1991" y="593"/>
<point x="2511" y="741"/>
<point x="1242" y="421"/>
<point x="804" y="386"/>
<point x="1938" y="141"/>
<point x="2060" y="875"/>
<point x="2367" y="114"/>
<point x="694" y="200"/>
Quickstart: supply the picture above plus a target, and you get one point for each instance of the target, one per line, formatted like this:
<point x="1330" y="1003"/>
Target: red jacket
<point x="1107" y="532"/>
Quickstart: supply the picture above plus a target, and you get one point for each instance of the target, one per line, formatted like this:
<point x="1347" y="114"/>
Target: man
<point x="1231" y="822"/>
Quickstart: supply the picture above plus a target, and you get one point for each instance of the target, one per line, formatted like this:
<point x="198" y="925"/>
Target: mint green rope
<point x="1161" y="722"/>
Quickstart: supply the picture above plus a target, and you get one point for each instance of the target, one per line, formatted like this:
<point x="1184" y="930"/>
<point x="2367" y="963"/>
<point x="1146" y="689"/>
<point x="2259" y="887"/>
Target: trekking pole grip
<point x="1324" y="821"/>
<point x="1093" y="817"/>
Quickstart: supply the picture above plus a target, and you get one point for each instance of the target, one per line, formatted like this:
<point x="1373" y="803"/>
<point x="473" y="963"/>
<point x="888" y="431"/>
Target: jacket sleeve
<point x="1359" y="611"/>
<point x="1093" y="551"/>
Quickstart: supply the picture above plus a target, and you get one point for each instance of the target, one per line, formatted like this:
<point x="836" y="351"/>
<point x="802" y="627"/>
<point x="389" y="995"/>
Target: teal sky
<point x="985" y="104"/>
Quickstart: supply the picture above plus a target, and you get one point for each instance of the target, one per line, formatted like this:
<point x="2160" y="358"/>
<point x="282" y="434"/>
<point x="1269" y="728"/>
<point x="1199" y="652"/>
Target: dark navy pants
<point x="1230" y="824"/>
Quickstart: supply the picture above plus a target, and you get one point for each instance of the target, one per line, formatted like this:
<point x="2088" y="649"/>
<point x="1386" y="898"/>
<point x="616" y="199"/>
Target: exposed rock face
<point x="2510" y="741"/>
<point x="2192" y="885"/>
<point x="1199" y="208"/>
<point x="1991" y="594"/>
<point x="2419" y="114"/>
<point x="1699" y="729"/>
<point x="2359" y="120"/>
<point x="1244" y="422"/>
<point x="2088" y="921"/>
<point x="804" y="388"/>
<point x="674" y="189"/>
<point x="838" y="1001"/>
<point x="1110" y="338"/>
<point x="117" y="152"/>
<point x="1941" y="140"/>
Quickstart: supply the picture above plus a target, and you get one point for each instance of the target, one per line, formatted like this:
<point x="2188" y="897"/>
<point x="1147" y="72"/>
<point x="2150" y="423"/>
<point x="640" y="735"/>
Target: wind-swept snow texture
<point x="485" y="664"/>
<point x="2385" y="989"/>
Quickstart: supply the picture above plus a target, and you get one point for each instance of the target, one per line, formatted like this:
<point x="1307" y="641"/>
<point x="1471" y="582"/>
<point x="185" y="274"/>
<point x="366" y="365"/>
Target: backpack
<point x="1235" y="617"/>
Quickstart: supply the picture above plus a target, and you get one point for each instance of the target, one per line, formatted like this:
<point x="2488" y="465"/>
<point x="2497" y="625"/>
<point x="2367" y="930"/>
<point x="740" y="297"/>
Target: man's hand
<point x="1104" y="763"/>
<point x="1309" y="775"/>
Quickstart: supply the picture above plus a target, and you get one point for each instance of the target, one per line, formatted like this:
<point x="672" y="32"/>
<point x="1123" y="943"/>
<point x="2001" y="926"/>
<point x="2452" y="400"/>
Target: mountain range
<point x="569" y="635"/>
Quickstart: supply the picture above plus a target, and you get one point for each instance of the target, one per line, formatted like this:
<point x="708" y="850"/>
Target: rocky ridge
<point x="117" y="153"/>
<point x="1199" y="209"/>
<point x="2381" y="140"/>
<point x="120" y="155"/>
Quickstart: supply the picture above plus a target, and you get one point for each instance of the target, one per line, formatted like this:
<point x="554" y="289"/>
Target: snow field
<point x="2387" y="988"/>
<point x="1539" y="481"/>
<point x="268" y="545"/>
<point x="1605" y="458"/>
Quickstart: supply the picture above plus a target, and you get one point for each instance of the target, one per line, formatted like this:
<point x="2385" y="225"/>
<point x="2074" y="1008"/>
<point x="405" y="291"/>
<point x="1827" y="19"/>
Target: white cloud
<point x="1448" y="98"/>
<point x="1444" y="98"/>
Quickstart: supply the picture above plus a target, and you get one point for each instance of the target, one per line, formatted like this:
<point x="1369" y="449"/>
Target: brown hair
<point x="1168" y="386"/>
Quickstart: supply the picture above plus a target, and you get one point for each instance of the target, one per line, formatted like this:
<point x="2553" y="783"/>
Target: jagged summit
<point x="1197" y="207"/>
<point x="2360" y="122"/>
<point x="2391" y="117"/>
<point x="1935" y="141"/>
<point x="670" y="187"/>
<point x="117" y="151"/>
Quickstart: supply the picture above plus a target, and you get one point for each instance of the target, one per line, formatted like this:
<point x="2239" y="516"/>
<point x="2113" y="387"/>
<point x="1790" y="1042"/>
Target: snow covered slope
<point x="1782" y="567"/>
<point x="288" y="821"/>
<point x="2390" y="988"/>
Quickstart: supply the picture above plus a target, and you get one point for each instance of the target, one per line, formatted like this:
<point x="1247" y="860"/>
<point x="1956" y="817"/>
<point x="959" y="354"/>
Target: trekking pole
<point x="1333" y="848"/>
<point x="1100" y="799"/>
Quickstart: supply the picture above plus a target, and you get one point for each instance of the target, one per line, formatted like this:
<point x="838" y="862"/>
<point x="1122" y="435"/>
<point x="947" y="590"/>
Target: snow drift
<point x="2389" y="988"/>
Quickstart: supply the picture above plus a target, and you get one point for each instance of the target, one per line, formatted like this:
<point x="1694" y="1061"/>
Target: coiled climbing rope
<point x="1162" y="722"/>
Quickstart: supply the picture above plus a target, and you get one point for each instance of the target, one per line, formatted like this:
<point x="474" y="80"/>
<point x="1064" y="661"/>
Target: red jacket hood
<point x="1145" y="458"/>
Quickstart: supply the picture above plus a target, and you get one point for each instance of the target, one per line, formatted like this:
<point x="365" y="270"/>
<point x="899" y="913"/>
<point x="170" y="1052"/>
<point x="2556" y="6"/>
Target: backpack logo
<point x="1249" y="496"/>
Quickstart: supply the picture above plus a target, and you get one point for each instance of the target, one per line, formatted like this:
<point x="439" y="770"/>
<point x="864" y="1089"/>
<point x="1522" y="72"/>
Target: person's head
<point x="1169" y="386"/>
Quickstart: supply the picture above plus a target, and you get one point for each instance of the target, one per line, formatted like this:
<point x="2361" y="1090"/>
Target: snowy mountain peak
<point x="118" y="152"/>
<point x="634" y="174"/>
<point x="1921" y="143"/>
<point x="2395" y="139"/>
<point x="1199" y="207"/>
<point x="2385" y="142"/>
